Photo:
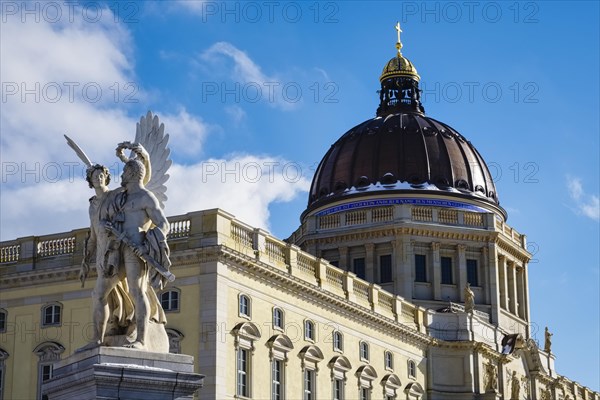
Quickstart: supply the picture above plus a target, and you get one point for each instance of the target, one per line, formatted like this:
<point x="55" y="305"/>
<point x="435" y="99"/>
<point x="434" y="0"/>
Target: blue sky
<point x="253" y="94"/>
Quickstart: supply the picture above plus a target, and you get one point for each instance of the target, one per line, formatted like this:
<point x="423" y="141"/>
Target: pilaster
<point x="370" y="263"/>
<point x="462" y="271"/>
<point x="437" y="273"/>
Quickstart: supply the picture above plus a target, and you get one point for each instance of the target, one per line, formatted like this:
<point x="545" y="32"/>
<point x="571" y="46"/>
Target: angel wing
<point x="80" y="153"/>
<point x="150" y="133"/>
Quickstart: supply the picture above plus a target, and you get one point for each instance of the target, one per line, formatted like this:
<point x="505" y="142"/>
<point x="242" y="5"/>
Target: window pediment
<point x="311" y="353"/>
<point x="49" y="351"/>
<point x="340" y="363"/>
<point x="366" y="372"/>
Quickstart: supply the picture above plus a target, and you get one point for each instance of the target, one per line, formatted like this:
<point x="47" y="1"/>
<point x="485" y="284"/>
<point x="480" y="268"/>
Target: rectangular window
<point x="364" y="393"/>
<point x="277" y="380"/>
<point x="389" y="360"/>
<point x="45" y="371"/>
<point x="335" y="263"/>
<point x="2" y="321"/>
<point x="359" y="267"/>
<point x="52" y="315"/>
<point x="338" y="389"/>
<point x="420" y="268"/>
<point x="309" y="384"/>
<point x="472" y="272"/>
<point x="385" y="268"/>
<point x="242" y="373"/>
<point x="447" y="270"/>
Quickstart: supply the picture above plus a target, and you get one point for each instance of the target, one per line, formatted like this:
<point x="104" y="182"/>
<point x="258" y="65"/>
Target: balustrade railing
<point x="10" y="253"/>
<point x="55" y="247"/>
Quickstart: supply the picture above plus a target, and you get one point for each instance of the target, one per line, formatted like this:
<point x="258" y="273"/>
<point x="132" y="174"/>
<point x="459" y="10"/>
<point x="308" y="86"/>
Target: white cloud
<point x="586" y="205"/>
<point x="575" y="188"/>
<point x="195" y="6"/>
<point x="187" y="132"/>
<point x="244" y="185"/>
<point x="64" y="77"/>
<point x="250" y="82"/>
<point x="41" y="194"/>
<point x="236" y="113"/>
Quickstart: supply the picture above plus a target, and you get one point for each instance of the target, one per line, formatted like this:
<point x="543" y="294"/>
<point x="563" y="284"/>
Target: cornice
<point x="318" y="296"/>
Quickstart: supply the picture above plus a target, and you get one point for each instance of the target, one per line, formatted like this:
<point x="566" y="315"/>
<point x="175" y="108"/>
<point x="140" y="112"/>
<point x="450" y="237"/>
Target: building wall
<point x="216" y="258"/>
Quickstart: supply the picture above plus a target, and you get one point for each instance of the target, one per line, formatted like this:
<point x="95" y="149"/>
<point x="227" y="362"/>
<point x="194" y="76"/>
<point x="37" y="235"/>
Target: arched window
<point x="51" y="314"/>
<point x="338" y="341"/>
<point x="245" y="333"/>
<point x="412" y="369"/>
<point x="169" y="300"/>
<point x="309" y="330"/>
<point x="175" y="338"/>
<point x="364" y="351"/>
<point x="339" y="366"/>
<point x="48" y="353"/>
<point x="310" y="356"/>
<point x="366" y="375"/>
<point x="391" y="383"/>
<point x="3" y="318"/>
<point x="279" y="346"/>
<point x="414" y="391"/>
<point x="278" y="321"/>
<point x="389" y="360"/>
<point x="244" y="306"/>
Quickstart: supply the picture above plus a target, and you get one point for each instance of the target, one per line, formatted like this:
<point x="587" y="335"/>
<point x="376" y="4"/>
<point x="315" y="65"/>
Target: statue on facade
<point x="515" y="386"/>
<point x="490" y="377"/>
<point x="128" y="232"/>
<point x="469" y="299"/>
<point x="547" y="341"/>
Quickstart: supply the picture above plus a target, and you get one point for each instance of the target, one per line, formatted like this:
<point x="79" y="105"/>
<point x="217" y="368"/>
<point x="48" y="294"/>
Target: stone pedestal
<point x="121" y="373"/>
<point x="490" y="396"/>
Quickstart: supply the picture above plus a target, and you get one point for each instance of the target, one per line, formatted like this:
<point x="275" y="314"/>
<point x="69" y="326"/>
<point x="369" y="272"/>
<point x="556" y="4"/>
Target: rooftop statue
<point x="469" y="299"/>
<point x="128" y="233"/>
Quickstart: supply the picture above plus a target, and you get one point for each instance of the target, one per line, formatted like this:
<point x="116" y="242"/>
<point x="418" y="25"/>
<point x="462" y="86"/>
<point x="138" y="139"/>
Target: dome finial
<point x="398" y="43"/>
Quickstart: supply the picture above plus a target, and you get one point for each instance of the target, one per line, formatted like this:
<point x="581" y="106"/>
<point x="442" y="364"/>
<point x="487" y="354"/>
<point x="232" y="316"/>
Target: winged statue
<point x="128" y="233"/>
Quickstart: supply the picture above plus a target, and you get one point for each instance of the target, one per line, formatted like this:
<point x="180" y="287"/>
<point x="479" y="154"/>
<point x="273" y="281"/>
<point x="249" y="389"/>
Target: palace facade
<point x="403" y="281"/>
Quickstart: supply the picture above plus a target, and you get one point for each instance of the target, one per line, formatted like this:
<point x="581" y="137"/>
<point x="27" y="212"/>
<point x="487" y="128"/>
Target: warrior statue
<point x="128" y="231"/>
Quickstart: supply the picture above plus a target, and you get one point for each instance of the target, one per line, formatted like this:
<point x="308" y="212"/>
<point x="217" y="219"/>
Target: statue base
<point x="493" y="395"/>
<point x="109" y="373"/>
<point x="157" y="339"/>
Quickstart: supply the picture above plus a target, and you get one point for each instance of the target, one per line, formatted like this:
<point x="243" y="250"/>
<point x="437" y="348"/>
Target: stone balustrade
<point x="408" y="213"/>
<point x="216" y="227"/>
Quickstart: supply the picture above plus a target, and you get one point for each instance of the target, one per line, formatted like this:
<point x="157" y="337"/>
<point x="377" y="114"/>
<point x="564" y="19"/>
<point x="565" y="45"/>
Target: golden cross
<point x="398" y="30"/>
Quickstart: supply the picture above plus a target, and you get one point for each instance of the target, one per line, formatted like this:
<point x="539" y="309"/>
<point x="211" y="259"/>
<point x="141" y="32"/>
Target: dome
<point x="402" y="152"/>
<point x="399" y="66"/>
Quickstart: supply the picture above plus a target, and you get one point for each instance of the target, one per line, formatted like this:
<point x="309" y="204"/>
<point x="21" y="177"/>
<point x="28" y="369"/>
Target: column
<point x="502" y="282"/>
<point x="520" y="293"/>
<point x="408" y="267"/>
<point x="492" y="262"/>
<point x="486" y="272"/>
<point x="512" y="287"/>
<point x="462" y="271"/>
<point x="526" y="300"/>
<point x="437" y="273"/>
<point x="371" y="273"/>
<point x="343" y="263"/>
<point x="397" y="267"/>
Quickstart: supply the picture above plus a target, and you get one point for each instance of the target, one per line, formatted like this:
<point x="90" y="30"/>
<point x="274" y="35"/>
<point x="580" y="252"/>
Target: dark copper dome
<point x="402" y="152"/>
